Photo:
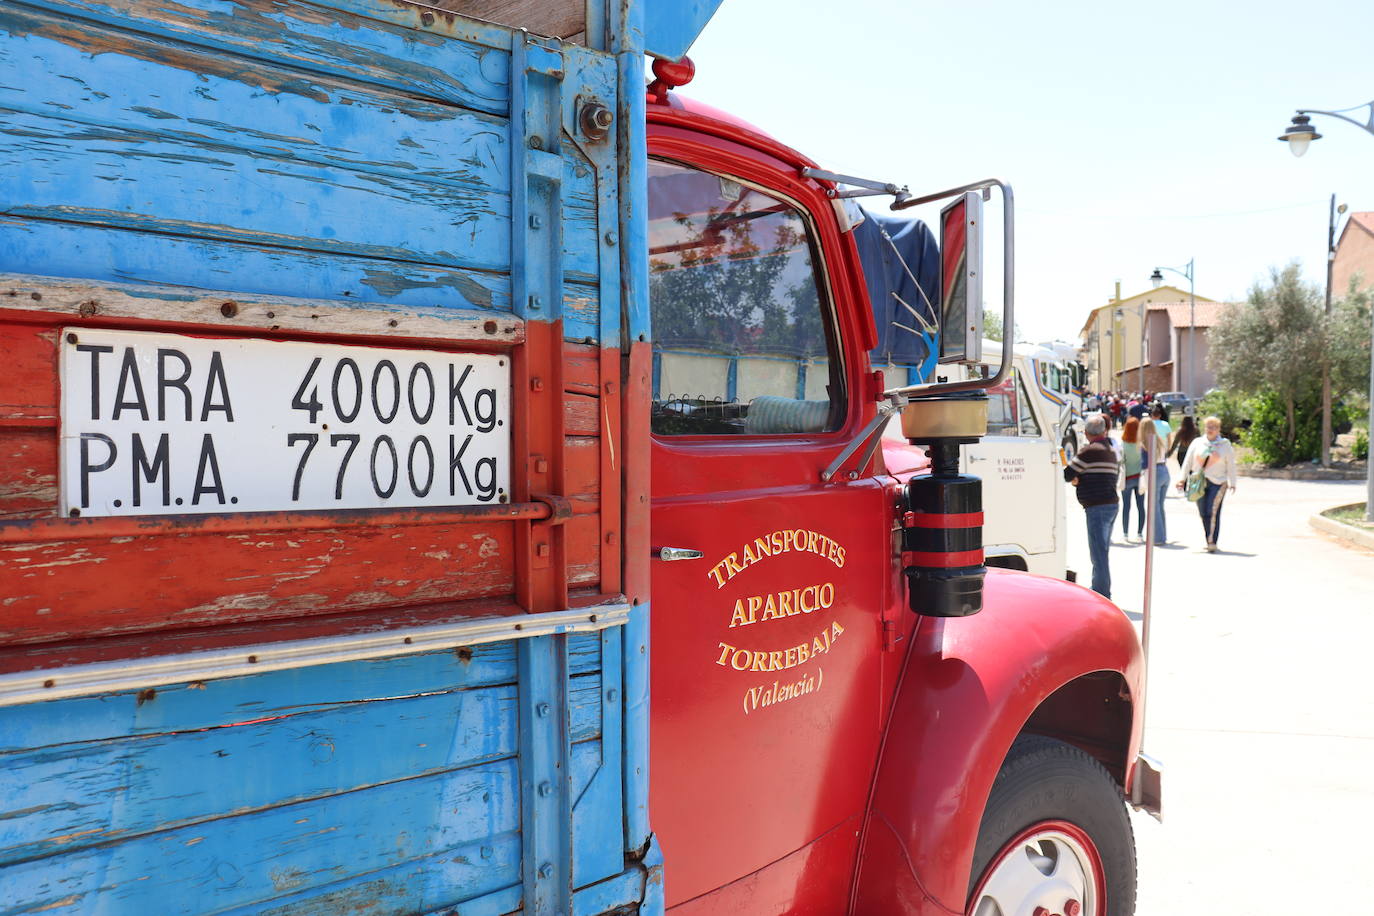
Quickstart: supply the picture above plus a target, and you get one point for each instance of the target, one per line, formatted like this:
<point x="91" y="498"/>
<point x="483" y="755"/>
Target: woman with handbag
<point x="1209" y="471"/>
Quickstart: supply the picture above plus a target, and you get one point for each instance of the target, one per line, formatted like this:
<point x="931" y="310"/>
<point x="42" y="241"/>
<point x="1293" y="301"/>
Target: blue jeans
<point x="1100" y="521"/>
<point x="1161" y="490"/>
<point x="1132" y="490"/>
<point x="1209" y="507"/>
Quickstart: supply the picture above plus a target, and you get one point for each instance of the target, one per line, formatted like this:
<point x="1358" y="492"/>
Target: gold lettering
<point x="764" y="546"/>
<point x="715" y="571"/>
<point x="749" y="558"/>
<point x="808" y="606"/>
<point x="739" y="618"/>
<point x="817" y="647"/>
<point x="785" y="604"/>
<point x="774" y="661"/>
<point x="725" y="649"/>
<point x="792" y="660"/>
<point x="836" y="629"/>
<point x="803" y="653"/>
<point x="770" y="609"/>
<point x="811" y="539"/>
<point x="776" y="538"/>
<point x="760" y="661"/>
<point x="732" y="565"/>
<point x="840" y="561"/>
<point x="755" y="602"/>
<point x="738" y="663"/>
<point x="826" y="595"/>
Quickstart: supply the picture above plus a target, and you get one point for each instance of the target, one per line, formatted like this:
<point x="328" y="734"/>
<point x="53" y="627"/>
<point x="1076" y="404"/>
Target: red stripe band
<point x="942" y="520"/>
<point x="942" y="560"/>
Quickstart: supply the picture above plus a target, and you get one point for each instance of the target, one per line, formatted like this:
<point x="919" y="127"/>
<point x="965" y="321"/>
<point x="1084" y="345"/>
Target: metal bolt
<point x="596" y="120"/>
<point x="536" y="142"/>
<point x="535" y="301"/>
<point x="1072" y="908"/>
<point x="541" y="550"/>
<point x="545" y="789"/>
<point x="536" y="384"/>
<point x="1041" y="911"/>
<point x="535" y="221"/>
<point x="546" y="870"/>
<point x="612" y="694"/>
<point x="610" y="239"/>
<point x="541" y="710"/>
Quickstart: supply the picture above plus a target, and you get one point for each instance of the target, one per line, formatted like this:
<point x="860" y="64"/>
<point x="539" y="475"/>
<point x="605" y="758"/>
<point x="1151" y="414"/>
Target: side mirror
<point x="961" y="279"/>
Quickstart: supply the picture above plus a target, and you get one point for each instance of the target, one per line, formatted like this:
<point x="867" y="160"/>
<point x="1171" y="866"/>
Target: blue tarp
<point x="901" y="263"/>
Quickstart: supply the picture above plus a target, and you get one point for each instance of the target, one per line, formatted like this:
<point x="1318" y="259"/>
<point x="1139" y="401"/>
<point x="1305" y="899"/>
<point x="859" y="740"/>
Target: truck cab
<point x="441" y="474"/>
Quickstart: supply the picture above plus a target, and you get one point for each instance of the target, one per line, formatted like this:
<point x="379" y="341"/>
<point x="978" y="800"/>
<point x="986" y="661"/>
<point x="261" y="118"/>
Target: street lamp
<point x="1298" y="135"/>
<point x="1156" y="279"/>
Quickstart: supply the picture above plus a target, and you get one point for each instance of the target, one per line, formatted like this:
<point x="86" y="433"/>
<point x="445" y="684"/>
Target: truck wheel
<point x="1070" y="447"/>
<point x="1055" y="839"/>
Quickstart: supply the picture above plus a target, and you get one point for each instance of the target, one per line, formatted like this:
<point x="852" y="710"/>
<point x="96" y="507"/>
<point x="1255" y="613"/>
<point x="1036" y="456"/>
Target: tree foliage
<point x="1272" y="348"/>
<point x="992" y="326"/>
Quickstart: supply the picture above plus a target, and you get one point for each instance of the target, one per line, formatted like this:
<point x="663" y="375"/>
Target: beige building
<point x="1354" y="255"/>
<point x="1130" y="344"/>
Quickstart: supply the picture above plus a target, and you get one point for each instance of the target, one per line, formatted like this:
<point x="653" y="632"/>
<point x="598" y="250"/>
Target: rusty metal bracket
<point x="560" y="508"/>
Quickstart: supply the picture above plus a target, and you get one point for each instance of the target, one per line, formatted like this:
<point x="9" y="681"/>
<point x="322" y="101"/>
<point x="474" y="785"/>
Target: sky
<point x="1134" y="135"/>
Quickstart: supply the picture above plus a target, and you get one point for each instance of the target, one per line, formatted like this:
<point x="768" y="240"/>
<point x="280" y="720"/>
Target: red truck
<point x="438" y="474"/>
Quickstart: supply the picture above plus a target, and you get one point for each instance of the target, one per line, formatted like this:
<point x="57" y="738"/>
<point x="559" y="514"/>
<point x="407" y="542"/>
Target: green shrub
<point x="1268" y="432"/>
<point x="1361" y="447"/>
<point x="1230" y="409"/>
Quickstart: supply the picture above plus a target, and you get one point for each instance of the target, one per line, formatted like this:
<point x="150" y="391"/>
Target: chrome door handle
<point x="677" y="553"/>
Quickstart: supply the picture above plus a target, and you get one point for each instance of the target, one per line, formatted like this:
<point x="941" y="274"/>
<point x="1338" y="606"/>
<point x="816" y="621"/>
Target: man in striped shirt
<point x="1095" y="471"/>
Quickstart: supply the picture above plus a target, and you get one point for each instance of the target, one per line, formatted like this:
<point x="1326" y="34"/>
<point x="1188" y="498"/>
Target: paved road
<point x="1261" y="705"/>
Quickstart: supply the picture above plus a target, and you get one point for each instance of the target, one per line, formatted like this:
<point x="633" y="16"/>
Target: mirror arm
<point x="1008" y="283"/>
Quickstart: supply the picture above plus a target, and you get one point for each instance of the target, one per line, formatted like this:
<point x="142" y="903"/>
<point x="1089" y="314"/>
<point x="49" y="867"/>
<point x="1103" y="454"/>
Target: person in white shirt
<point x="1213" y="457"/>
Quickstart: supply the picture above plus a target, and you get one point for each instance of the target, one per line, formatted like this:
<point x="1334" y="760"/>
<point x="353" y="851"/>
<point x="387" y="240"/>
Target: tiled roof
<point x="1206" y="314"/>
<point x="1364" y="220"/>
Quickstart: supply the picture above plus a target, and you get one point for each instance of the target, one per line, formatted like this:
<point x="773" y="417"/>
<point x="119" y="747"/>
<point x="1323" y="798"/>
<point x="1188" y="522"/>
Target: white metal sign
<point x="157" y="424"/>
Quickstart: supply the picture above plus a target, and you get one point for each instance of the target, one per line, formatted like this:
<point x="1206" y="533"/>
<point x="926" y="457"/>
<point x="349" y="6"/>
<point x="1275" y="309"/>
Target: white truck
<point x="1033" y="429"/>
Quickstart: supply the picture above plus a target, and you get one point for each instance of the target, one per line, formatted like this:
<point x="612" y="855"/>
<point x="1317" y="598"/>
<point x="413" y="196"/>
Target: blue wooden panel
<point x="206" y="170"/>
<point x="597" y="822"/>
<point x="100" y="791"/>
<point x="182" y="709"/>
<point x="358" y="783"/>
<point x="308" y="38"/>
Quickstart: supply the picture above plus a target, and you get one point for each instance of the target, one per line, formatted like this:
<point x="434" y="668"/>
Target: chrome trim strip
<point x="138" y="674"/>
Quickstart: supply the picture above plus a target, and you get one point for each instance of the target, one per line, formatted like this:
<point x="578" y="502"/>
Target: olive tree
<point x="1272" y="348"/>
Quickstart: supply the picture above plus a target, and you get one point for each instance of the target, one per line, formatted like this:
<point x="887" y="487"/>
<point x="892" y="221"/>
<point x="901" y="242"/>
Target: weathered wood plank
<point x="215" y="704"/>
<point x="305" y="38"/>
<point x="230" y="310"/>
<point x="62" y="798"/>
<point x="360" y="128"/>
<point x="555" y="18"/>
<point x="106" y="254"/>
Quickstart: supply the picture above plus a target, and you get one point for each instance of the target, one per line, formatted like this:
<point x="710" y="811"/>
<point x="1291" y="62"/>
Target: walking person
<point x="1212" y="456"/>
<point x="1154" y="439"/>
<point x="1132" y="462"/>
<point x="1094" y="471"/>
<point x="1187" y="432"/>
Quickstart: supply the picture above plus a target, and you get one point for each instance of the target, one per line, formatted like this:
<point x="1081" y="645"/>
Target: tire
<point x="1070" y="446"/>
<point x="1055" y="830"/>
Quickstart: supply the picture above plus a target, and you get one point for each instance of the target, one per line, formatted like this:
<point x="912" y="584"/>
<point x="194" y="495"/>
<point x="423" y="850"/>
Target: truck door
<point x="765" y="662"/>
<point x="1017" y="463"/>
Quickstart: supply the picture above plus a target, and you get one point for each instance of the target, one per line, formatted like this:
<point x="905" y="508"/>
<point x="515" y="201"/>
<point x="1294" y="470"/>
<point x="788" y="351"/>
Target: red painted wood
<point x="78" y="579"/>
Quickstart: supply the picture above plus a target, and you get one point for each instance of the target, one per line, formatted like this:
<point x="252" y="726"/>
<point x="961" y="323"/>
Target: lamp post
<point x="1156" y="279"/>
<point x="1298" y="135"/>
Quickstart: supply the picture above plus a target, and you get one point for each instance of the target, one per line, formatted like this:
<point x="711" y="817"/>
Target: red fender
<point x="969" y="687"/>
